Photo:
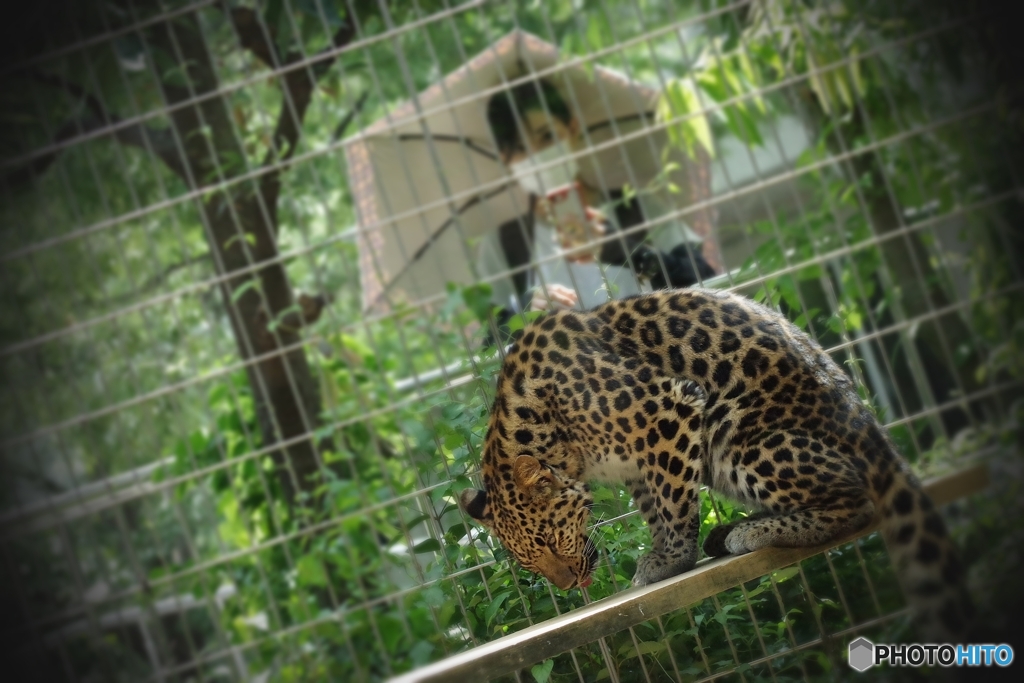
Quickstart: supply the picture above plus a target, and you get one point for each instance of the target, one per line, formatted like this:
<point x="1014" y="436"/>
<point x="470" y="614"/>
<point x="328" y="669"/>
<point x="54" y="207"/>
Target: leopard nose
<point x="563" y="577"/>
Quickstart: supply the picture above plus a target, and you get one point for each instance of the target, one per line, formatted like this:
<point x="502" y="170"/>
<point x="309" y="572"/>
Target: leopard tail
<point x="926" y="560"/>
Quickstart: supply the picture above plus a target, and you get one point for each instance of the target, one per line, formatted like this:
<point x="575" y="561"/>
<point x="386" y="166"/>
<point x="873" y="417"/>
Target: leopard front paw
<point x="655" y="566"/>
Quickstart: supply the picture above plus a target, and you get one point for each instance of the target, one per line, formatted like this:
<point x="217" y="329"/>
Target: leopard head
<point x="541" y="519"/>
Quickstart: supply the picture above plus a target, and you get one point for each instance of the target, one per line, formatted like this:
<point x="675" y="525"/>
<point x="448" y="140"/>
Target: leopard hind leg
<point x="714" y="544"/>
<point x="808" y="494"/>
<point x="798" y="529"/>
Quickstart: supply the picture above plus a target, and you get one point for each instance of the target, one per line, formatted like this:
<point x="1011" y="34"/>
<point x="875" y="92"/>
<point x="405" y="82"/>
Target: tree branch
<point x="298" y="84"/>
<point x="298" y="92"/>
<point x="297" y="88"/>
<point x="255" y="36"/>
<point x="349" y="117"/>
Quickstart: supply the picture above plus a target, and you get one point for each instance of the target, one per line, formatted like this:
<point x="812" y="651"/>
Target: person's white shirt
<point x="594" y="282"/>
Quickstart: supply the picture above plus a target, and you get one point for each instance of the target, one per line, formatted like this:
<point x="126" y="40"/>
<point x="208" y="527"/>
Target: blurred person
<point x="533" y="128"/>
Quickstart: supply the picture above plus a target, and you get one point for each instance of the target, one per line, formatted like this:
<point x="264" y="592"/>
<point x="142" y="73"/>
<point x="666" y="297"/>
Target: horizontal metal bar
<point x="220" y="560"/>
<point x="135" y="614"/>
<point x="109" y="485"/>
<point x="959" y="401"/>
<point x="227" y="557"/>
<point x="719" y="199"/>
<point x="863" y="626"/>
<point x="48" y="518"/>
<point x="257" y="173"/>
<point x="712" y="283"/>
<point x="632" y="607"/>
<point x="942" y="489"/>
<point x="306" y="62"/>
<point x="161" y="18"/>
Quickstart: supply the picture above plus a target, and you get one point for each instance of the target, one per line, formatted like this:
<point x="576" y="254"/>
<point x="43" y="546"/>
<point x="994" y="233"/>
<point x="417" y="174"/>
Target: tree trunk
<point x="241" y="227"/>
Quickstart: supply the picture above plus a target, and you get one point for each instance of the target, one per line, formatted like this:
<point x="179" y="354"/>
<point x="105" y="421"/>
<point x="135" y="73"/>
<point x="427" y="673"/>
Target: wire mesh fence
<point x="260" y="262"/>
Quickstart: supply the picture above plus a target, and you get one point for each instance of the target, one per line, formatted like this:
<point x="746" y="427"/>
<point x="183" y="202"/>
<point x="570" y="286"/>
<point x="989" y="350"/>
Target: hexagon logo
<point x="862" y="654"/>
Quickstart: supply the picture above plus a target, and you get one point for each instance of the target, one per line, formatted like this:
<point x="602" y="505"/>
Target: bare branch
<point x="339" y="132"/>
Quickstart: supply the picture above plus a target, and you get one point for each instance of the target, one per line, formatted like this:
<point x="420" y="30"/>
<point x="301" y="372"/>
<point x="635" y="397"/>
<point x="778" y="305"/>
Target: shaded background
<point x="217" y="467"/>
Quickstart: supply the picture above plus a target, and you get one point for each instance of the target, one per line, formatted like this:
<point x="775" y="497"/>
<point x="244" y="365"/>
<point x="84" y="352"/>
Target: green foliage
<point x="680" y="107"/>
<point x="377" y="571"/>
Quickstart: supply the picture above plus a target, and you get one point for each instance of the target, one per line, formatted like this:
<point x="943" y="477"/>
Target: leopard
<point x="665" y="393"/>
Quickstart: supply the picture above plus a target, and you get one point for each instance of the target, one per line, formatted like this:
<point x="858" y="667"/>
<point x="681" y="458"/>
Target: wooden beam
<point x="635" y="606"/>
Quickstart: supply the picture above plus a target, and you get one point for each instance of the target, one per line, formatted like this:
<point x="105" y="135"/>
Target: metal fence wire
<point x="260" y="261"/>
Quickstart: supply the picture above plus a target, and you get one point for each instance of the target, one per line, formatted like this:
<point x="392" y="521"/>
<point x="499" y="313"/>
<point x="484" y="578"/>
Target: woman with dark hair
<point x="533" y="128"/>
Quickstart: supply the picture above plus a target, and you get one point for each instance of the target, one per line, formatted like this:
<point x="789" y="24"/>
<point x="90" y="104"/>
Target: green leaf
<point x="747" y="68"/>
<point x="785" y="574"/>
<point x="858" y="77"/>
<point x="252" y="283"/>
<point x="854" y="319"/>
<point x="688" y="127"/>
<point x="427" y="546"/>
<point x="310" y="571"/>
<point x="518" y="322"/>
<point x="786" y="287"/>
<point x="542" y="671"/>
<point x="478" y="299"/>
<point x="279" y="318"/>
<point x="364" y="351"/>
<point x="598" y="31"/>
<point x="492" y="609"/>
<point x="249" y="237"/>
<point x="628" y="193"/>
<point x="804" y="318"/>
<point x="434" y="596"/>
<point x="742" y="125"/>
<point x="649" y="647"/>
<point x="390" y="630"/>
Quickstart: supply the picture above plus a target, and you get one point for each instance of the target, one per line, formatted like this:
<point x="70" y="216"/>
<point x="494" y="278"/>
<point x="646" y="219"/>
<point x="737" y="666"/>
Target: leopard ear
<point x="531" y="476"/>
<point x="476" y="505"/>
